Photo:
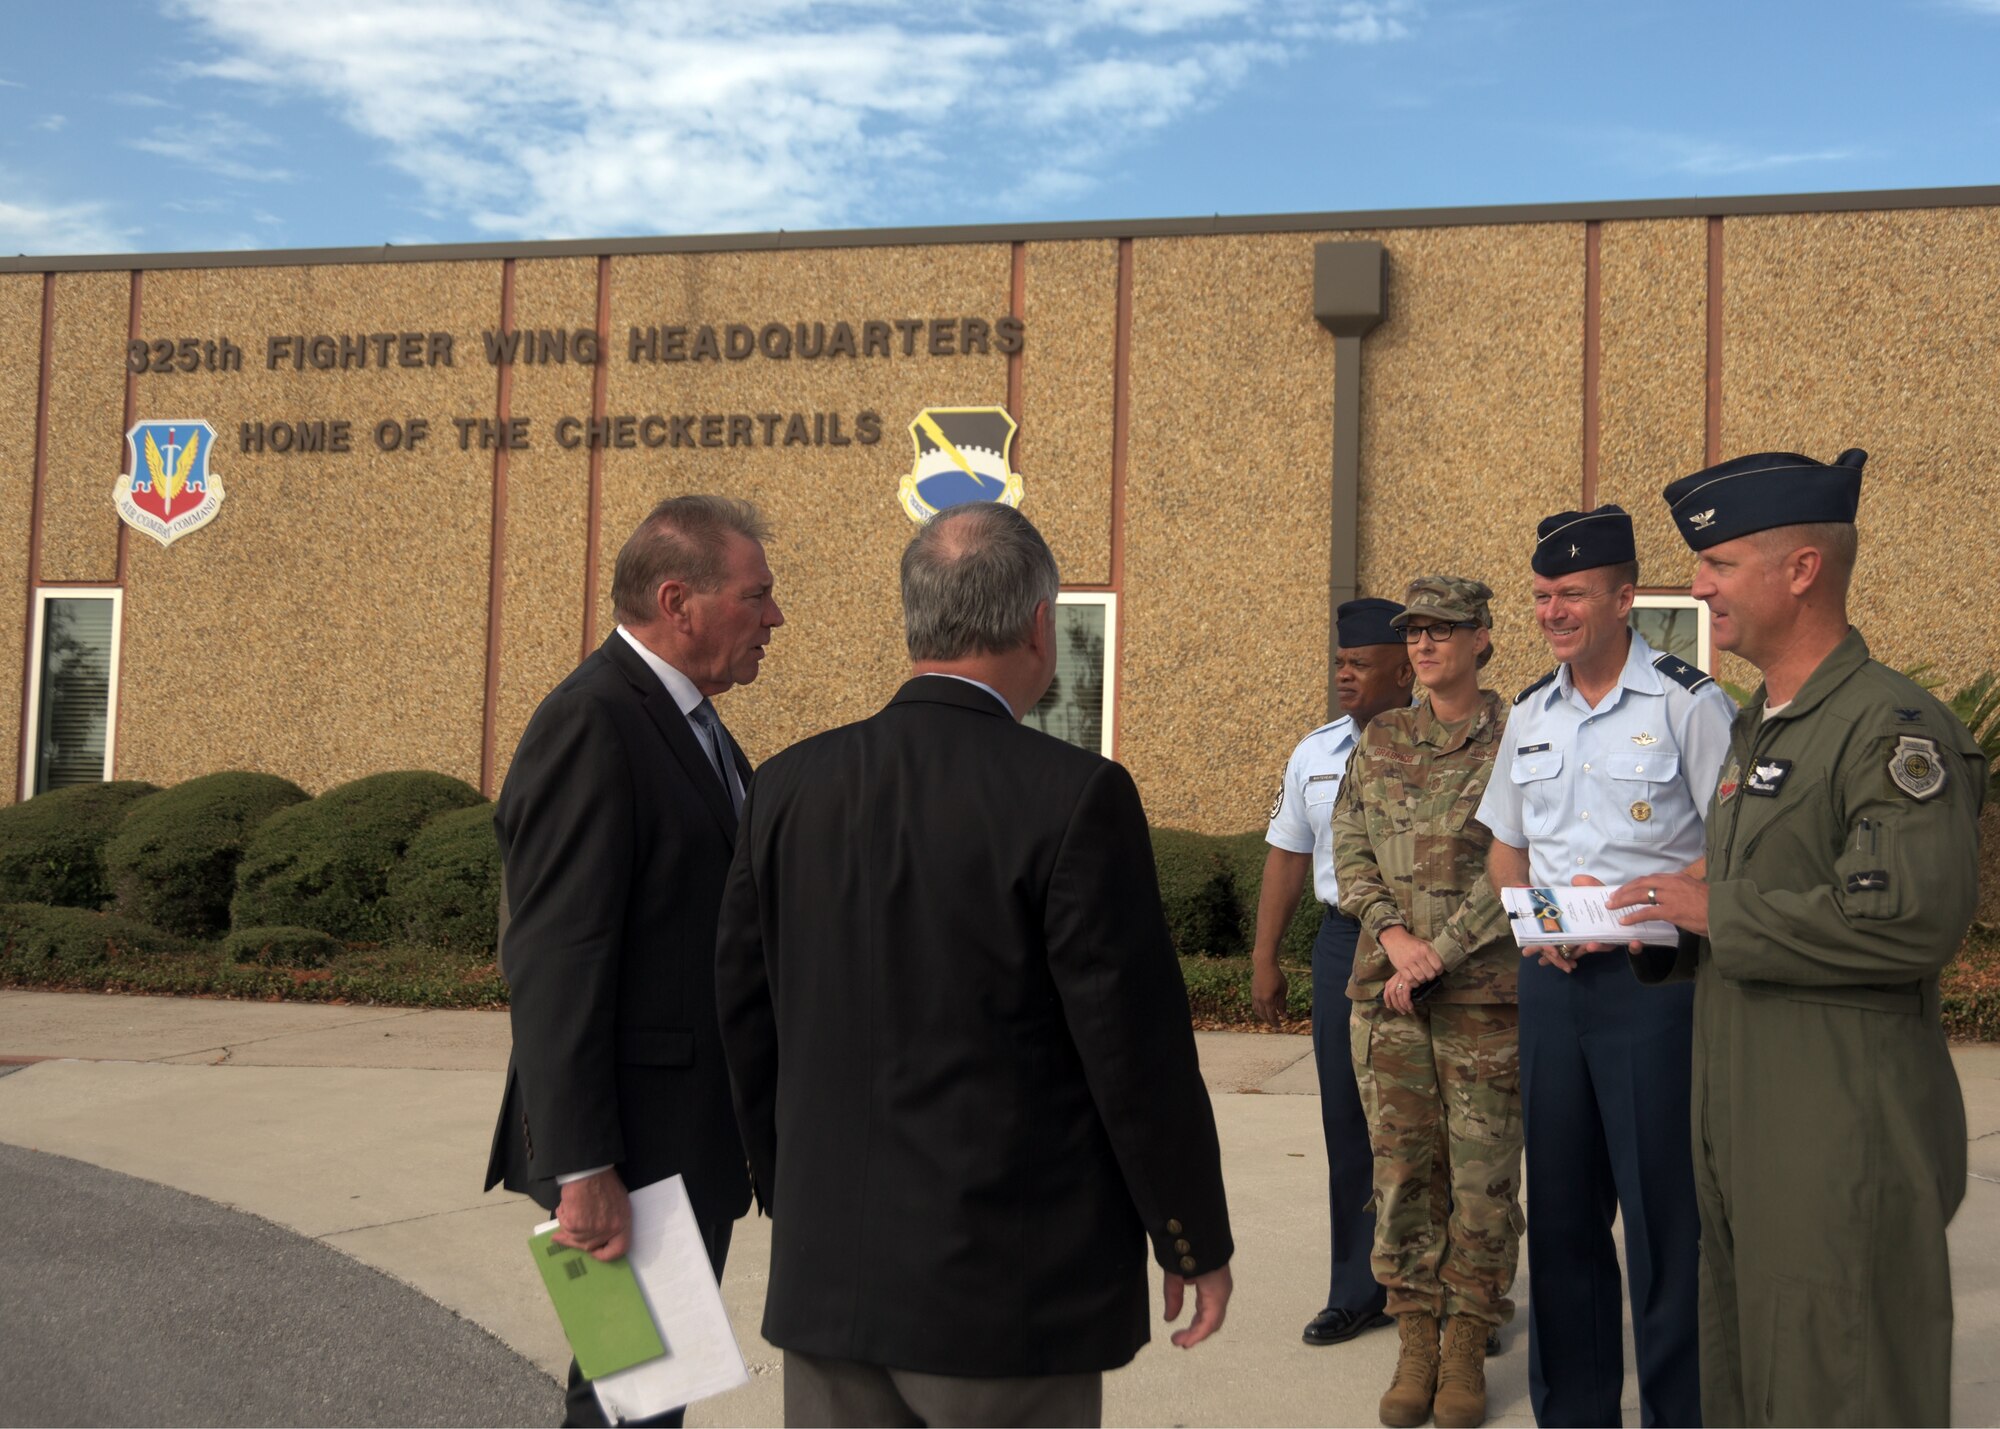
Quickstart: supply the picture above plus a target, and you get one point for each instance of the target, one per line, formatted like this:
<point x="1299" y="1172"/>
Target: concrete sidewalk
<point x="366" y="1130"/>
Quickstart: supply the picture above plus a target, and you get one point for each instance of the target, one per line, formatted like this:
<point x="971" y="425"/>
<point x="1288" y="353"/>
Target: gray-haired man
<point x="958" y="1035"/>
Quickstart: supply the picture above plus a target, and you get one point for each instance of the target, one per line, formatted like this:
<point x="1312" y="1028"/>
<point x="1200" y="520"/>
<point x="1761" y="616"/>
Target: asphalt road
<point x="127" y="1302"/>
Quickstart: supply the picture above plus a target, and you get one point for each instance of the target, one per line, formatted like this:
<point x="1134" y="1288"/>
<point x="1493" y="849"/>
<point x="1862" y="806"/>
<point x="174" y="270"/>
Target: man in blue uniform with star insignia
<point x="1603" y="776"/>
<point x="1371" y="674"/>
<point x="1840" y="874"/>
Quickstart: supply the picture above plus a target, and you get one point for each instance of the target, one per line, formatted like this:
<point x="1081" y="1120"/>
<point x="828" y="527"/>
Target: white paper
<point x="671" y="1265"/>
<point x="1541" y="916"/>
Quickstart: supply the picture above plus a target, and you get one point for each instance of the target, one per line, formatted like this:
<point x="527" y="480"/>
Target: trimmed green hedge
<point x="42" y="944"/>
<point x="1245" y="855"/>
<point x="447" y="888"/>
<point x="173" y="863"/>
<point x="52" y="846"/>
<point x="1198" y="894"/>
<point x="281" y="947"/>
<point x="326" y="863"/>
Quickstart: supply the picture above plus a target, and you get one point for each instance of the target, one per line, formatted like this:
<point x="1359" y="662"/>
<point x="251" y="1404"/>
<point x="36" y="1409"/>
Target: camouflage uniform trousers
<point x="1442" y="1091"/>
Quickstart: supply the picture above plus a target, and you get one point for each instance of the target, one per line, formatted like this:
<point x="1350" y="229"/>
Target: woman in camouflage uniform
<point x="1434" y="1022"/>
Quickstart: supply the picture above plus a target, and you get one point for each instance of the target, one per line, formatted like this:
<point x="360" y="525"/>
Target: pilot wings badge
<point x="170" y="489"/>
<point x="962" y="456"/>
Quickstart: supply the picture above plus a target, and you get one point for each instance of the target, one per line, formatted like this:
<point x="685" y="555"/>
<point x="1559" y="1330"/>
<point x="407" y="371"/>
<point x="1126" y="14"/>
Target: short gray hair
<point x="972" y="577"/>
<point x="1837" y="542"/>
<point x="683" y="539"/>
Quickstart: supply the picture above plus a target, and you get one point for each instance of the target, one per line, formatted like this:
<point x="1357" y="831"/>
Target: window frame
<point x="1107" y="731"/>
<point x="1681" y="600"/>
<point x="31" y="725"/>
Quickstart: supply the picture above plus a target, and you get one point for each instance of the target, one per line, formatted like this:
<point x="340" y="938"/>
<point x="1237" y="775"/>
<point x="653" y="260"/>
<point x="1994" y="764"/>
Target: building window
<point x="1077" y="707"/>
<point x="1673" y="625"/>
<point x="72" y="689"/>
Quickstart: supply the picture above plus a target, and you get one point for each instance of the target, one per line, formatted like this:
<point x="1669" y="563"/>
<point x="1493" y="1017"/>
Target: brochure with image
<point x="1541" y="916"/>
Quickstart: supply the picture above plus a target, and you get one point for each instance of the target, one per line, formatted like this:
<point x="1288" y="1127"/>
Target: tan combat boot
<point x="1408" y="1402"/>
<point x="1461" y="1386"/>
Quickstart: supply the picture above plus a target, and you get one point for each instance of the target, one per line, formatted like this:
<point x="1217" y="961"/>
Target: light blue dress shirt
<point x="1616" y="792"/>
<point x="1302" y="817"/>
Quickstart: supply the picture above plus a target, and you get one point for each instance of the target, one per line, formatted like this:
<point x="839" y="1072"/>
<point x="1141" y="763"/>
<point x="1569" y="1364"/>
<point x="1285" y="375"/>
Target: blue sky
<point x="155" y="125"/>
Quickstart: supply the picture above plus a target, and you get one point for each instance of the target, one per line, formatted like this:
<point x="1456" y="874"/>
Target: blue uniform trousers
<point x="1605" y="1070"/>
<point x="1350" y="1164"/>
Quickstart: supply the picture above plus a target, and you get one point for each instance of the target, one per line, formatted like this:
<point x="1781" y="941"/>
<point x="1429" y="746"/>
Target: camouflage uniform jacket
<point x="1409" y="854"/>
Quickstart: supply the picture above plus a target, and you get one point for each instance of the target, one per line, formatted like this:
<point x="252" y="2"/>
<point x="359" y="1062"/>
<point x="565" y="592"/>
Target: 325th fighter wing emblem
<point x="171" y="489"/>
<point x="962" y="455"/>
<point x="1915" y="768"/>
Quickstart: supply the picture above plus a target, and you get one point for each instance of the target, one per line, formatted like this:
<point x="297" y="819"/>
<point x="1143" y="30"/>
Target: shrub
<point x="173" y="862"/>
<point x="1197" y="892"/>
<point x="42" y="944"/>
<point x="446" y="890"/>
<point x="280" y="947"/>
<point x="1245" y="855"/>
<point x="52" y="846"/>
<point x="1218" y="992"/>
<point x="325" y="863"/>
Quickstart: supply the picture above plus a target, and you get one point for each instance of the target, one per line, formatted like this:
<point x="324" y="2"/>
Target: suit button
<point x="1187" y="1263"/>
<point x="1173" y="1227"/>
<point x="1182" y="1246"/>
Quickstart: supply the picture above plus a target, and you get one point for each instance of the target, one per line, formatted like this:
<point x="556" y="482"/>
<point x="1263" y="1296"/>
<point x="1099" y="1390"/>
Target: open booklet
<point x="1541" y="916"/>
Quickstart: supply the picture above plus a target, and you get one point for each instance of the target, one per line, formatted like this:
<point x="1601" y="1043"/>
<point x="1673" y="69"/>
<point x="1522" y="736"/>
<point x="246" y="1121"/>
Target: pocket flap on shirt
<point x="655" y="1046"/>
<point x="1647" y="766"/>
<point x="1541" y="764"/>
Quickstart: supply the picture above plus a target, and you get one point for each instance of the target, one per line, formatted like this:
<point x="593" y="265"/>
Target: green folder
<point x="603" y="1313"/>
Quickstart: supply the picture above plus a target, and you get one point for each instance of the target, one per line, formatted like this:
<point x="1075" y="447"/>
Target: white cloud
<point x="1677" y="153"/>
<point x="28" y="225"/>
<point x="50" y="123"/>
<point x="560" y="118"/>
<point x="215" y="142"/>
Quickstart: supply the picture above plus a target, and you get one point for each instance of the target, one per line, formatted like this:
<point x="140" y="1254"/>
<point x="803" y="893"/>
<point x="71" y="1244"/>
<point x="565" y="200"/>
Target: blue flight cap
<point x="1572" y="541"/>
<point x="1755" y="493"/>
<point x="1366" y="622"/>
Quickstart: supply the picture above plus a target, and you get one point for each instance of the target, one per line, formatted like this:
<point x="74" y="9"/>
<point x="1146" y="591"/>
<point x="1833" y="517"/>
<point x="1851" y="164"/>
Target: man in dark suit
<point x="958" y="1035"/>
<point x="616" y="827"/>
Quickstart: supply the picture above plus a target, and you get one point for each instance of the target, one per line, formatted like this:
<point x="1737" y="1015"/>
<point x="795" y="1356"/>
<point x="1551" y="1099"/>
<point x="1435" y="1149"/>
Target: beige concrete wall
<point x="331" y="621"/>
<point x="1472" y="417"/>
<point x="86" y="436"/>
<point x="20" y="377"/>
<point x="1882" y="331"/>
<point x="838" y="530"/>
<point x="1652" y="378"/>
<point x="548" y="506"/>
<point x="1070" y="303"/>
<point x="1227" y="517"/>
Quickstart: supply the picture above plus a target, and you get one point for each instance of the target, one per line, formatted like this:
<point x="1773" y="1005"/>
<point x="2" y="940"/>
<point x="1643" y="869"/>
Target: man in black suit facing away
<point x="616" y="826"/>
<point x="958" y="1035"/>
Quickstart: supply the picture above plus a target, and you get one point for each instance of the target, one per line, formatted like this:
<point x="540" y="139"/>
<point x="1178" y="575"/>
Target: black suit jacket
<point x="615" y="838"/>
<point x="960" y="1047"/>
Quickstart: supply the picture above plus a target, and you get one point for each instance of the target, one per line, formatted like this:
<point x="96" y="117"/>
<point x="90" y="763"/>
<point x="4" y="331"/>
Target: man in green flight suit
<point x="1839" y="879"/>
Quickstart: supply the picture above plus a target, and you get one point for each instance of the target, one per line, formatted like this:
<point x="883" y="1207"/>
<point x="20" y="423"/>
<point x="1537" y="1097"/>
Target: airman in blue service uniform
<point x="1604" y="776"/>
<point x="1371" y="674"/>
<point x="1841" y="873"/>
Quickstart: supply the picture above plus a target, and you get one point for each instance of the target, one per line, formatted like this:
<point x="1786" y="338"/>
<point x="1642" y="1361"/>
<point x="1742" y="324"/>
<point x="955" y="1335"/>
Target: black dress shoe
<point x="1333" y="1327"/>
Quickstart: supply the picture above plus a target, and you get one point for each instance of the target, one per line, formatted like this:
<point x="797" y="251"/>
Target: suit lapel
<point x="675" y="730"/>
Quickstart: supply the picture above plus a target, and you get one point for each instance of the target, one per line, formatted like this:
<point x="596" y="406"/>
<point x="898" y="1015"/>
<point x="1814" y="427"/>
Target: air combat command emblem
<point x="962" y="455"/>
<point x="170" y="489"/>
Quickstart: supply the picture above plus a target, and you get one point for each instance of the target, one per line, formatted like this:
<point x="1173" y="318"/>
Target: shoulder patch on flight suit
<point x="1536" y="686"/>
<point x="1914" y="767"/>
<point x="1688" y="677"/>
